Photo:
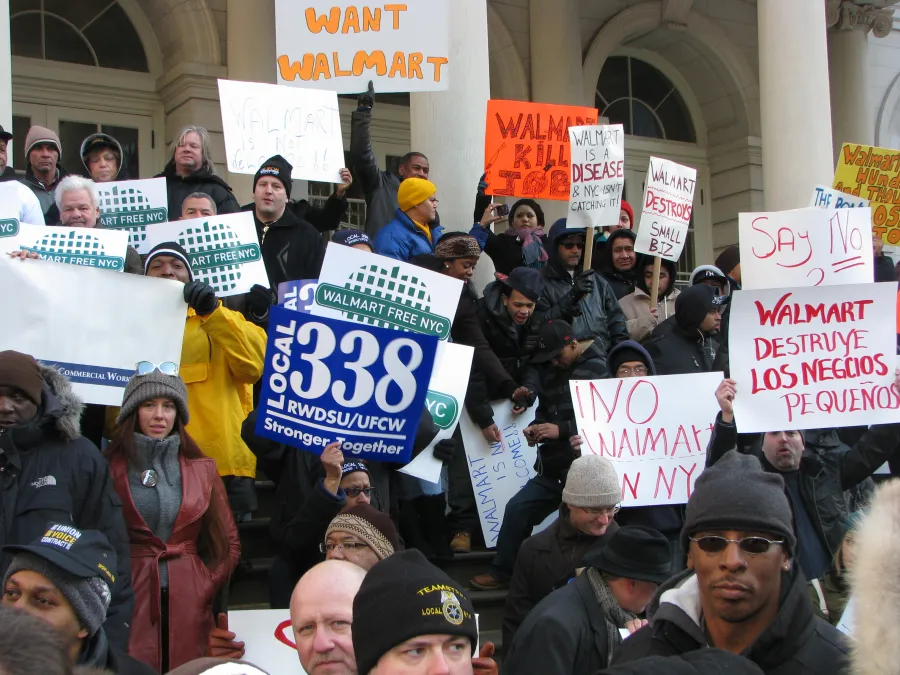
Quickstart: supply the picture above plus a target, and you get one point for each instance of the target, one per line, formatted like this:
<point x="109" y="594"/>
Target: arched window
<point x="88" y="32"/>
<point x="635" y="94"/>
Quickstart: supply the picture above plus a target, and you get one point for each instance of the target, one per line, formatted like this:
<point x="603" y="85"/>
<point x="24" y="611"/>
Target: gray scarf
<point x="615" y="616"/>
<point x="158" y="505"/>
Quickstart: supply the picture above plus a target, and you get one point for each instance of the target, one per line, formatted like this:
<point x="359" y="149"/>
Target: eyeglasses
<point x="572" y="244"/>
<point x="355" y="492"/>
<point x="601" y="510"/>
<point x="629" y="372"/>
<point x="328" y="547"/>
<point x="712" y="543"/>
<point x="147" y="367"/>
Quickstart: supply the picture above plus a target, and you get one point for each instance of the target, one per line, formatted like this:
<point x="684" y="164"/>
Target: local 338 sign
<point x="329" y="380"/>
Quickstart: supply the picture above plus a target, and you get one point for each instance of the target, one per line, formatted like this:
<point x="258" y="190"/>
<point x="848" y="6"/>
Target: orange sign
<point x="526" y="148"/>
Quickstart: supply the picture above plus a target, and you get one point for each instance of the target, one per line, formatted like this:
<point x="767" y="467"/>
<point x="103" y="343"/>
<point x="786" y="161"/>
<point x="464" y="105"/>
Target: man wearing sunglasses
<point x="743" y="591"/>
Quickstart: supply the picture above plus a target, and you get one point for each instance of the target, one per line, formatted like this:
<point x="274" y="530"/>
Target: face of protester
<point x="520" y="308"/>
<point x="3" y="159"/>
<point x="189" y="154"/>
<point x="877" y="244"/>
<point x="783" y="449"/>
<point x="156" y="417"/>
<point x="735" y="586"/>
<point x="633" y="595"/>
<point x="711" y="323"/>
<point x="169" y="267"/>
<point x="631" y="369"/>
<point x="356" y="482"/>
<point x="663" y="278"/>
<point x="624" y="221"/>
<point x="351" y="548"/>
<point x="77" y="209"/>
<point x="570" y="251"/>
<point x="16" y="408"/>
<point x="270" y="198"/>
<point x="525" y="217"/>
<point x="34" y="594"/>
<point x="428" y="655"/>
<point x="416" y="167"/>
<point x="591" y="521"/>
<point x="425" y="212"/>
<point x="103" y="165"/>
<point x="566" y="357"/>
<point x="197" y="207"/>
<point x="461" y="268"/>
<point x="623" y="255"/>
<point x="43" y="158"/>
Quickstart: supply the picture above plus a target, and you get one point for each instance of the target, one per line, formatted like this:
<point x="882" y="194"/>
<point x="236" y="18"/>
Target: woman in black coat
<point x="521" y="245"/>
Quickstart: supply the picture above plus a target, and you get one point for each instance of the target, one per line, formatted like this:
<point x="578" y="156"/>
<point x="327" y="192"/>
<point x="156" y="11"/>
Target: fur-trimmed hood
<point x="60" y="406"/>
<point x="875" y="584"/>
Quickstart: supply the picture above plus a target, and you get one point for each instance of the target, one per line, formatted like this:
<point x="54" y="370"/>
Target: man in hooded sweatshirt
<point x="618" y="262"/>
<point x="684" y="344"/>
<point x="640" y="318"/>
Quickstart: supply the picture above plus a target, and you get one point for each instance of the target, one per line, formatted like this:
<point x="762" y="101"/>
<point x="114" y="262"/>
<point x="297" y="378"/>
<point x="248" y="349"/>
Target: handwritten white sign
<point x="340" y="45"/>
<point x="598" y="175"/>
<point x="806" y="247"/>
<point x="808" y="358"/>
<point x="85" y="246"/>
<point x="827" y="198"/>
<point x="654" y="435"/>
<point x="263" y="120"/>
<point x="667" y="209"/>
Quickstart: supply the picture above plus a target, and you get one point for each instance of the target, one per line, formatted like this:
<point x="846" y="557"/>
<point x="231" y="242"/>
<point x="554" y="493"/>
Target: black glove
<point x="260" y="299"/>
<point x="445" y="450"/>
<point x="584" y="284"/>
<point x="201" y="297"/>
<point x="367" y="99"/>
<point x="482" y="184"/>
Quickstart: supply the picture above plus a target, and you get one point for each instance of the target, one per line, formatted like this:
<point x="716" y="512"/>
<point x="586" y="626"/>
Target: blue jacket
<point x="401" y="239"/>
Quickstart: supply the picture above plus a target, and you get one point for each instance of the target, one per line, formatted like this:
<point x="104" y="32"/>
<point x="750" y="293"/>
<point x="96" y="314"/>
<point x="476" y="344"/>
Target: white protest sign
<point x="268" y="639"/>
<point x="654" y="435"/>
<point x="806" y="247"/>
<point x="445" y="399"/>
<point x="340" y="45"/>
<point x="263" y="120"/>
<point x="364" y="287"/>
<point x="96" y="345"/>
<point x="223" y="250"/>
<point x="132" y="205"/>
<point x="498" y="470"/>
<point x="86" y="246"/>
<point x="809" y="358"/>
<point x="827" y="198"/>
<point x="598" y="175"/>
<point x="667" y="209"/>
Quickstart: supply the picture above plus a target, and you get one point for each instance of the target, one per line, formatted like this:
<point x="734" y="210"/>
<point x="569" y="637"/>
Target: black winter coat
<point x="796" y="643"/>
<point x="504" y="250"/>
<point x="323" y="218"/>
<point x="44" y="193"/>
<point x="564" y="634"/>
<point x="675" y="352"/>
<point x="823" y="476"/>
<point x="205" y="181"/>
<point x="292" y="249"/>
<point x="885" y="270"/>
<point x="99" y="654"/>
<point x="379" y="186"/>
<point x="545" y="562"/>
<point x="49" y="474"/>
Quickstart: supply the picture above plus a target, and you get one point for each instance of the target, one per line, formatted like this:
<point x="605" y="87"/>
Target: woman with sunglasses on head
<point x="184" y="542"/>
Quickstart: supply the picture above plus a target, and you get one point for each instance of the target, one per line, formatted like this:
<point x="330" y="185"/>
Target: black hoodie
<point x="204" y="180"/>
<point x="677" y="345"/>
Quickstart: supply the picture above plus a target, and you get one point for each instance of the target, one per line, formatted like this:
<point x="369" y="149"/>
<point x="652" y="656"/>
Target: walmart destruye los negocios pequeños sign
<point x="86" y="246"/>
<point x="133" y="205"/>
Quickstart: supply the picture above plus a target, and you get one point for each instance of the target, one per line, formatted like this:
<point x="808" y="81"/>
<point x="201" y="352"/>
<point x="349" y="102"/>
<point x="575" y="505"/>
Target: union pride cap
<point x="82" y="553"/>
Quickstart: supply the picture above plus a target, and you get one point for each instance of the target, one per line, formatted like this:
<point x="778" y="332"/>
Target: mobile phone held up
<point x="501" y="209"/>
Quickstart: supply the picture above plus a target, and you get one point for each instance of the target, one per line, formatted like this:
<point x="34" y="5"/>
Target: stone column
<point x="5" y="73"/>
<point x="251" y="58"/>
<point x="795" y="103"/>
<point x="449" y="126"/>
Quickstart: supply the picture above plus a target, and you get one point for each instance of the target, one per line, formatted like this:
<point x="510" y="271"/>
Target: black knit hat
<point x="277" y="167"/>
<point x="172" y="250"/>
<point x="694" y="303"/>
<point x="633" y="552"/>
<point x="625" y="353"/>
<point x="529" y="282"/>
<point x="736" y="493"/>
<point x="402" y="597"/>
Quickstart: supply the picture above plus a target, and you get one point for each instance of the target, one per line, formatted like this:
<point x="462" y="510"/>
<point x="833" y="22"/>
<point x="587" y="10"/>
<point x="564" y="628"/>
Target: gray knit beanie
<point x="592" y="483"/>
<point x="736" y="493"/>
<point x="154" y="385"/>
<point x="89" y="598"/>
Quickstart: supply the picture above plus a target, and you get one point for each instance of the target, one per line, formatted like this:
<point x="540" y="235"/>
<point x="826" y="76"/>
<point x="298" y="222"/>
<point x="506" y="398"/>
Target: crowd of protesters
<point x="128" y="553"/>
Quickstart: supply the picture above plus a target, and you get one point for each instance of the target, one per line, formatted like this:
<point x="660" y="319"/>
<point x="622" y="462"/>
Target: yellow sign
<point x="873" y="174"/>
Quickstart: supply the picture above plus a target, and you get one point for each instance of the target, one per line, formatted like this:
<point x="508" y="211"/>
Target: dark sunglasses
<point x="712" y="543"/>
<point x="355" y="492"/>
<point x="147" y="367"/>
<point x="572" y="244"/>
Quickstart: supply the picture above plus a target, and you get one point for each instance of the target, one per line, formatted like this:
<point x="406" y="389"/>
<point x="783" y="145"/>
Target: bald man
<point x="322" y="617"/>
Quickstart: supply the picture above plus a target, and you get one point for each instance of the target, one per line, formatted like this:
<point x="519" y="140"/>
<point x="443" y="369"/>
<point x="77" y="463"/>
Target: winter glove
<point x="584" y="285"/>
<point x="201" y="297"/>
<point x="367" y="99"/>
<point x="445" y="450"/>
<point x="260" y="300"/>
<point x="221" y="644"/>
<point x="482" y="184"/>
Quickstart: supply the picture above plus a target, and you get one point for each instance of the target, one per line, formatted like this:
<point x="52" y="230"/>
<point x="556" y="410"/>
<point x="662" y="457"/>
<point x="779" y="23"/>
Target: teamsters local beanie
<point x="414" y="191"/>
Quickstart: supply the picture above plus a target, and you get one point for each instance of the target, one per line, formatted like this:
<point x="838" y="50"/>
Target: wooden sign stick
<point x="654" y="287"/>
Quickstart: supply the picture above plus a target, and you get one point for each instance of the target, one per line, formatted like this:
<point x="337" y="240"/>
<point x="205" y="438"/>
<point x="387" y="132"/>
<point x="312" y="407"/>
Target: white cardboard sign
<point x="263" y="120"/>
<point x="133" y="205"/>
<point x="826" y="198"/>
<point x="445" y="400"/>
<point x="340" y="45"/>
<point x="806" y="247"/>
<point x="498" y="470"/>
<point x="364" y="287"/>
<point x="130" y="318"/>
<point x="85" y="246"/>
<point x="654" y="435"/>
<point x="224" y="251"/>
<point x="268" y="639"/>
<point x="809" y="358"/>
<point x="666" y="210"/>
<point x="598" y="175"/>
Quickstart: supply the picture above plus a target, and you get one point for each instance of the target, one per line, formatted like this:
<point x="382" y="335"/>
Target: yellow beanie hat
<point x="414" y="191"/>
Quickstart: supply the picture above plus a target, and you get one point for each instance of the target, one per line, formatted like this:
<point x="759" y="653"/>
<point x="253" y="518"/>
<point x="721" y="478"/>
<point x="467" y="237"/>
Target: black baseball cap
<point x="708" y="274"/>
<point x="4" y="134"/>
<point x="552" y="339"/>
<point x="82" y="553"/>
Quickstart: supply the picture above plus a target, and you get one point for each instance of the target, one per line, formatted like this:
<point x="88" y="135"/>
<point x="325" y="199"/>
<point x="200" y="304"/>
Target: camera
<point x="501" y="209"/>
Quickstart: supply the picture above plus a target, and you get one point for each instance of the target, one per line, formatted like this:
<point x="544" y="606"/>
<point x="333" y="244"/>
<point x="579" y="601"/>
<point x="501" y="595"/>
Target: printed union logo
<point x="386" y="298"/>
<point x="444" y="409"/>
<point x="9" y="227"/>
<point x="216" y="253"/>
<point x="128" y="208"/>
<point x="77" y="247"/>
